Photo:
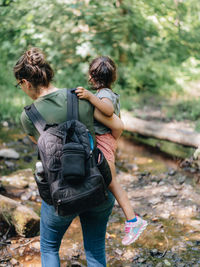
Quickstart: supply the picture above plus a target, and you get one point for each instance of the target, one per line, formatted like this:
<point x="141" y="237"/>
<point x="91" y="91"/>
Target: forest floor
<point x="167" y="196"/>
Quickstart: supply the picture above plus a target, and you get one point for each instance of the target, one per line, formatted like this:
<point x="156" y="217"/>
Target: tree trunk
<point x="25" y="221"/>
<point x="160" y="130"/>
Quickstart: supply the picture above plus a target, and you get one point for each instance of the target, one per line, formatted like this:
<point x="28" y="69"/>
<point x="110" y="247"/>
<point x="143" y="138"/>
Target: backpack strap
<point x="36" y="118"/>
<point x="72" y="105"/>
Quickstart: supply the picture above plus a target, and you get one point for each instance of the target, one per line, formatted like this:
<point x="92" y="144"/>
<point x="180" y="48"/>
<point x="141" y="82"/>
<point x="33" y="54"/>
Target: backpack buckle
<point x="27" y="107"/>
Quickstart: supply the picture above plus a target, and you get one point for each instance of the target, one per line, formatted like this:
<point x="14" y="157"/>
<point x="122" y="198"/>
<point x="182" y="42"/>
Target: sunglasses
<point x="18" y="84"/>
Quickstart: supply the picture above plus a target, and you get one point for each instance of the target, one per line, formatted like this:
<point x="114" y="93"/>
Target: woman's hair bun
<point x="33" y="67"/>
<point x="35" y="57"/>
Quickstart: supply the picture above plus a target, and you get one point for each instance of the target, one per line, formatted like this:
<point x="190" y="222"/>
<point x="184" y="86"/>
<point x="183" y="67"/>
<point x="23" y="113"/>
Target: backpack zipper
<point x="60" y="201"/>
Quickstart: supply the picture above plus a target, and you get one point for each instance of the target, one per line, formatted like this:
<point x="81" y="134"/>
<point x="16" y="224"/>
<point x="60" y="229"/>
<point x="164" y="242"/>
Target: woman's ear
<point x="27" y="84"/>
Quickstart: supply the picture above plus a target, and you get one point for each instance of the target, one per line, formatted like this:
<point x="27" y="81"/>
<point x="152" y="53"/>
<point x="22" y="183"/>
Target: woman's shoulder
<point x="28" y="125"/>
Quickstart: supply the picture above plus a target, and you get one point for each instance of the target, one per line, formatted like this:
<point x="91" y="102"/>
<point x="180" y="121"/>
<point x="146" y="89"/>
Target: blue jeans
<point x="93" y="222"/>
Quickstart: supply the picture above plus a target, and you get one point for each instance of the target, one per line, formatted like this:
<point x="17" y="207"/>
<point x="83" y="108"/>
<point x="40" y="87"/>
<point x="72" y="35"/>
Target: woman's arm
<point x="114" y="123"/>
<point x="104" y="104"/>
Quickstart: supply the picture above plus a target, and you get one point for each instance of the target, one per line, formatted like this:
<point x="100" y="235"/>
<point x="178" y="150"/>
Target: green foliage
<point x="12" y="99"/>
<point x="152" y="42"/>
<point x="189" y="110"/>
<point x="197" y="125"/>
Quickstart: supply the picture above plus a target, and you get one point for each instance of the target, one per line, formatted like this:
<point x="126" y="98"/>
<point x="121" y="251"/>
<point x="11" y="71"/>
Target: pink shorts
<point x="108" y="144"/>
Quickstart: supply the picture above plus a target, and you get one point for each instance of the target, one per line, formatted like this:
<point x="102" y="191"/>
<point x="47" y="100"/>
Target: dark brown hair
<point x="33" y="67"/>
<point x="102" y="71"/>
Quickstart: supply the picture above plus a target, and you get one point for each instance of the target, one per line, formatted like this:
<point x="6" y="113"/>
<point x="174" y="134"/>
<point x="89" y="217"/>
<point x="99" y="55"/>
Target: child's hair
<point x="102" y="71"/>
<point x="33" y="67"/>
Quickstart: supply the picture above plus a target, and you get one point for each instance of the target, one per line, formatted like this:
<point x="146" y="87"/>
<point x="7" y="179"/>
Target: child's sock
<point x="133" y="220"/>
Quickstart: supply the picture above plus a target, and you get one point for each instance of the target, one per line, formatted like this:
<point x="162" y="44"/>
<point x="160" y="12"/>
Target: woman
<point x="34" y="76"/>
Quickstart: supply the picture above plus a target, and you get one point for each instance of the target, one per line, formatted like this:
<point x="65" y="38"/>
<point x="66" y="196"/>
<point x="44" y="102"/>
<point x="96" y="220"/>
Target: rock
<point x="154" y="252"/>
<point x="15" y="181"/>
<point x="33" y="196"/>
<point x="195" y="249"/>
<point x="9" y="164"/>
<point x="192" y="170"/>
<point x="21" y="251"/>
<point x="131" y="167"/>
<point x="13" y="261"/>
<point x="171" y="193"/>
<point x="167" y="263"/>
<point x="143" y="213"/>
<point x="155" y="178"/>
<point x="155" y="200"/>
<point x="178" y="186"/>
<point x="26" y="196"/>
<point x="145" y="174"/>
<point x="28" y="258"/>
<point x="26" y="140"/>
<point x="5" y="124"/>
<point x="181" y="179"/>
<point x="9" y="153"/>
<point x="188" y="212"/>
<point x="141" y="260"/>
<point x="159" y="264"/>
<point x="128" y="254"/>
<point x="165" y="215"/>
<point x="171" y="172"/>
<point x="27" y="159"/>
<point x="197" y="154"/>
<point x="155" y="219"/>
<point x="119" y="251"/>
<point x="35" y="245"/>
<point x="136" y="257"/>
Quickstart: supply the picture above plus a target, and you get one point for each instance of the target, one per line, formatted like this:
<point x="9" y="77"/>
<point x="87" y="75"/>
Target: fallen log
<point x="160" y="130"/>
<point x="25" y="220"/>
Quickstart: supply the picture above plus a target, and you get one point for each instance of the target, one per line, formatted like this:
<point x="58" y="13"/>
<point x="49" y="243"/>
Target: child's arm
<point x="114" y="123"/>
<point x="32" y="139"/>
<point x="104" y="105"/>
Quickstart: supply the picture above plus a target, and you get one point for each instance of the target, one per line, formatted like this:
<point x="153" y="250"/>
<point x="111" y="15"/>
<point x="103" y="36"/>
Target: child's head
<point x="102" y="72"/>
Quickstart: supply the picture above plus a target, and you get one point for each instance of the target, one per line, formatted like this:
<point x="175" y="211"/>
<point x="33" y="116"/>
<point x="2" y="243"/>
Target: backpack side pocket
<point x="44" y="190"/>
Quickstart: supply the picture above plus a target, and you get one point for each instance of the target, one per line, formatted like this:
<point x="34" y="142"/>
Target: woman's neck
<point x="42" y="91"/>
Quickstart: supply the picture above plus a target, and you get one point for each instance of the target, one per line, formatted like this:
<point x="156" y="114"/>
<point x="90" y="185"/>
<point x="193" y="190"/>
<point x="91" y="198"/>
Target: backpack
<point x="73" y="167"/>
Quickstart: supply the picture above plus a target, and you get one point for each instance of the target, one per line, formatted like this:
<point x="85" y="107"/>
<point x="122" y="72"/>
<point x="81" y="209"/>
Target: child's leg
<point x="134" y="226"/>
<point x="120" y="194"/>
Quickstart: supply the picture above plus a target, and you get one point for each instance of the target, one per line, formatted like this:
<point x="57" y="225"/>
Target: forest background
<point x="155" y="44"/>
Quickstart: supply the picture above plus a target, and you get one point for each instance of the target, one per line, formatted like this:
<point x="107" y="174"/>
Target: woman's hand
<point x="83" y="93"/>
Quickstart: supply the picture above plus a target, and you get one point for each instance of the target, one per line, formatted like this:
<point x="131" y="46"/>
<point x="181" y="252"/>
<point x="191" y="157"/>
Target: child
<point x="102" y="73"/>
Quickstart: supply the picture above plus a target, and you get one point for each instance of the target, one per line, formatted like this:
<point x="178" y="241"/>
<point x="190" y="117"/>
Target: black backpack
<point x="76" y="172"/>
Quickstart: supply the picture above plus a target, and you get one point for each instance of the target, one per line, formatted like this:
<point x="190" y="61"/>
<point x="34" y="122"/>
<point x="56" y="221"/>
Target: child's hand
<point x="83" y="93"/>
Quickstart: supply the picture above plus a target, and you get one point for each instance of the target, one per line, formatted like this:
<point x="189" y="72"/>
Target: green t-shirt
<point x="53" y="108"/>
